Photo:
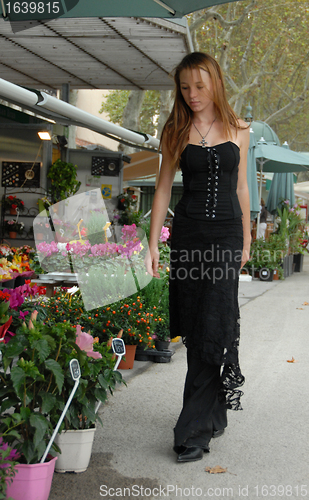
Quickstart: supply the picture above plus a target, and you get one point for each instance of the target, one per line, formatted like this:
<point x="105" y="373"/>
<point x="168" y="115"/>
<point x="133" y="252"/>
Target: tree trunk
<point x="165" y="109"/>
<point x="131" y="116"/>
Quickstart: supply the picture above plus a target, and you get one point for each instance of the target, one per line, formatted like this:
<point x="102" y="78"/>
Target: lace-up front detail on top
<point x="210" y="182"/>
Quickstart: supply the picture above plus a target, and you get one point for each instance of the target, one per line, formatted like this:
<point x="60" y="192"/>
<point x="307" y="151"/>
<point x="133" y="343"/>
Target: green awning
<point x="105" y="8"/>
<point x="282" y="188"/>
<point x="271" y="158"/>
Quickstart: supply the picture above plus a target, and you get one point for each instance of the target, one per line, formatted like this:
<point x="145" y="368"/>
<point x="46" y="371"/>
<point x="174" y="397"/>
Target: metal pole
<point x="260" y="161"/>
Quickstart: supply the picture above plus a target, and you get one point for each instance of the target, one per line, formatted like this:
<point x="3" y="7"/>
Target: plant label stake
<point x="120" y="350"/>
<point x="75" y="374"/>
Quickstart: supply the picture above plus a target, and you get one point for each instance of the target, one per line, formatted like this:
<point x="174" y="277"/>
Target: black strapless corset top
<point x="210" y="181"/>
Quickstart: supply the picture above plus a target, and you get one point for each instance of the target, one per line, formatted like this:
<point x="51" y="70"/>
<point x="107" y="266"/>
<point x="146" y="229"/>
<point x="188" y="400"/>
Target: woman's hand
<point x="245" y="251"/>
<point x="152" y="261"/>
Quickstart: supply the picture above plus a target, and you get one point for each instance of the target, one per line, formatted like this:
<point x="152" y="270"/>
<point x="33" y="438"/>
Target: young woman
<point x="210" y="243"/>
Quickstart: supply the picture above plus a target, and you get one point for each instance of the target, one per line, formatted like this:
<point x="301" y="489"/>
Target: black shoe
<point x="190" y="455"/>
<point x="218" y="433"/>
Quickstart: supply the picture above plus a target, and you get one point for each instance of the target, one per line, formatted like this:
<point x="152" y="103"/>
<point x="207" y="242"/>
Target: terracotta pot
<point x="13" y="211"/>
<point x="276" y="274"/>
<point x="129" y="355"/>
<point x="12" y="235"/>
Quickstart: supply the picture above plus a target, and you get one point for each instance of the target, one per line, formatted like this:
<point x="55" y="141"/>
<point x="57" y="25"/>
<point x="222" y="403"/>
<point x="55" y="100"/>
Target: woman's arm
<point x="243" y="192"/>
<point x="159" y="209"/>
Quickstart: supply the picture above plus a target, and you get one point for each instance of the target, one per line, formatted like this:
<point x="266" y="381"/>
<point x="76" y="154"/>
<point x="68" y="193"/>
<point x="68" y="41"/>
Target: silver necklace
<point x="203" y="142"/>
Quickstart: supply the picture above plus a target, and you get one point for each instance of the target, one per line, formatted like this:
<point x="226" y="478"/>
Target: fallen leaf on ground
<point x="305" y="304"/>
<point x="215" y="470"/>
<point x="300" y="308"/>
<point x="291" y="360"/>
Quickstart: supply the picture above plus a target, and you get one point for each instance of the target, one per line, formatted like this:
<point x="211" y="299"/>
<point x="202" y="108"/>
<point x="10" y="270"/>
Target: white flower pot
<point x="76" y="447"/>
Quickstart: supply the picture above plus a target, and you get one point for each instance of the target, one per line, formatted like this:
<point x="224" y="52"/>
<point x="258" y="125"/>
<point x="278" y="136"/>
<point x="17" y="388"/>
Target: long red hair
<point x="177" y="127"/>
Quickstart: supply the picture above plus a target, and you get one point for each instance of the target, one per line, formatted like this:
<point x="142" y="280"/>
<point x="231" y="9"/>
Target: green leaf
<point x="8" y="403"/>
<point x="102" y="381"/>
<point x="16" y="417"/>
<point x="25" y="413"/>
<point x="18" y="377"/>
<point x="14" y="433"/>
<point x="48" y="401"/>
<point x="100" y="394"/>
<point x="40" y="424"/>
<point x="28" y="450"/>
<point x="42" y="348"/>
<point x="56" y="369"/>
<point x="89" y="412"/>
<point x="15" y="348"/>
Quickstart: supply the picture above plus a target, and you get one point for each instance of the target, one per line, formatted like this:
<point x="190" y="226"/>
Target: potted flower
<point x="12" y="204"/>
<point x="13" y="227"/>
<point x="8" y="457"/>
<point x="36" y="382"/>
<point x="127" y="208"/>
<point x="161" y="334"/>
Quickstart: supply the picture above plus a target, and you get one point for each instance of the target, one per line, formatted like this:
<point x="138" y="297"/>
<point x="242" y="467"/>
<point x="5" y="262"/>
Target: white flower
<point x="61" y="247"/>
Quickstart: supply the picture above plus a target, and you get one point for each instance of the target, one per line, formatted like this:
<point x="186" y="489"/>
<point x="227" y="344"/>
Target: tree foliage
<point x="262" y="48"/>
<point x="117" y="100"/>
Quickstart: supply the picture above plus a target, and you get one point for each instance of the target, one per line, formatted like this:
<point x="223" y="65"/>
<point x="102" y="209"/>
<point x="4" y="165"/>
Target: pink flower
<point x="85" y="343"/>
<point x="128" y="232"/>
<point x="165" y="234"/>
<point x="34" y="315"/>
<point x="22" y="315"/>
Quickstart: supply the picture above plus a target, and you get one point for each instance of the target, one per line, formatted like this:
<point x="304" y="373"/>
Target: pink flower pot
<point x="32" y="481"/>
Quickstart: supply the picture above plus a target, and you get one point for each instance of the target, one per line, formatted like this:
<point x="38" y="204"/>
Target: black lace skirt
<point x="204" y="275"/>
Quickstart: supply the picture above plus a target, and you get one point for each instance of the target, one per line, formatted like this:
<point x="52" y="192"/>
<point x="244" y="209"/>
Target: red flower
<point x="134" y="197"/>
<point x="14" y="206"/>
<point x="11" y="197"/>
<point x="122" y="200"/>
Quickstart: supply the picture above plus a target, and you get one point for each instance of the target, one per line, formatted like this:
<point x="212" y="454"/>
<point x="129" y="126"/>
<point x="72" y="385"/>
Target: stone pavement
<point x="265" y="447"/>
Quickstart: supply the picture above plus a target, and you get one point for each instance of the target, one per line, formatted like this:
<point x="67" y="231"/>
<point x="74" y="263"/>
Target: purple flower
<point x="13" y="456"/>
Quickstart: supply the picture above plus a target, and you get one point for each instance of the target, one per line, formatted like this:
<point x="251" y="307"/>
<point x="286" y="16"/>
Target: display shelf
<point x="27" y="213"/>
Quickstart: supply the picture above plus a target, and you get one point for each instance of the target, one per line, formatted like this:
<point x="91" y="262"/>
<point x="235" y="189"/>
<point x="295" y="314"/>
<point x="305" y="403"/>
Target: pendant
<point x="203" y="142"/>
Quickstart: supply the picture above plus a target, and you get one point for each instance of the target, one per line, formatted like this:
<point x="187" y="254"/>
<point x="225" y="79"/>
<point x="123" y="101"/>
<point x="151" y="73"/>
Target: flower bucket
<point x="12" y="235"/>
<point x="76" y="448"/>
<point x="32" y="481"/>
<point x="129" y="355"/>
<point x="276" y="274"/>
<point x="13" y="211"/>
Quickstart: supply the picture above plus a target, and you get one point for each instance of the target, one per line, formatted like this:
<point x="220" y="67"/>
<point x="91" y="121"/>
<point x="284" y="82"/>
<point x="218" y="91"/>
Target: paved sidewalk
<point x="265" y="448"/>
